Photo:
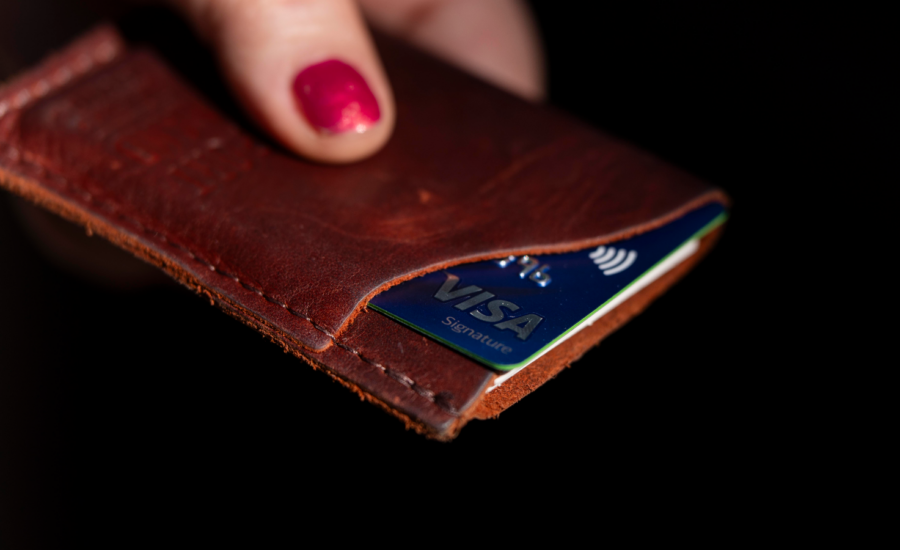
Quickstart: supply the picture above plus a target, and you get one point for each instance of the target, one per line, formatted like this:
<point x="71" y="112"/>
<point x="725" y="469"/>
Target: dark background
<point x="145" y="409"/>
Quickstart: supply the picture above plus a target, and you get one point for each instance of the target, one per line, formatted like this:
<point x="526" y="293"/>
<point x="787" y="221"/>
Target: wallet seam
<point x="103" y="54"/>
<point x="402" y="379"/>
<point x="18" y="157"/>
<point x="15" y="155"/>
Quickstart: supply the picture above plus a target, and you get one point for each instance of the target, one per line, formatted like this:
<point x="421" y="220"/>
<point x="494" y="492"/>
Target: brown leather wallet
<point x="108" y="135"/>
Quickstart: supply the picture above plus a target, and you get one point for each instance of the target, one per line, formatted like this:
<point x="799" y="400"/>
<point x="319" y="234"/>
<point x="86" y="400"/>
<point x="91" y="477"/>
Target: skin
<point x="262" y="45"/>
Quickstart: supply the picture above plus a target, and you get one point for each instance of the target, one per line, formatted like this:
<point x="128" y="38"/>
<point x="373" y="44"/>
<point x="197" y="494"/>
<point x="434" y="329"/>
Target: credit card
<point x="506" y="313"/>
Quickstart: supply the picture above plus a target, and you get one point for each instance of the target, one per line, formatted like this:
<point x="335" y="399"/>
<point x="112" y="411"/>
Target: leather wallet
<point x="110" y="136"/>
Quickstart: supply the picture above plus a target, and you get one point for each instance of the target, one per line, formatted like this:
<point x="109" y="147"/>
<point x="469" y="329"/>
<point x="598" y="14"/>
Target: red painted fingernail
<point x="335" y="97"/>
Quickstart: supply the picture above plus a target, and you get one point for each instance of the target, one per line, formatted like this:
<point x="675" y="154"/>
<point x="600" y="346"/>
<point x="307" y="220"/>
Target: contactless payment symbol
<point x="610" y="261"/>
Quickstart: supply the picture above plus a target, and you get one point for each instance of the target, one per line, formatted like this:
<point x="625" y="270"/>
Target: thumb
<point x="306" y="70"/>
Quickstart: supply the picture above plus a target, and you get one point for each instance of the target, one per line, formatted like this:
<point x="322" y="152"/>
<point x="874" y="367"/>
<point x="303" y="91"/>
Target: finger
<point x="305" y="69"/>
<point x="494" y="39"/>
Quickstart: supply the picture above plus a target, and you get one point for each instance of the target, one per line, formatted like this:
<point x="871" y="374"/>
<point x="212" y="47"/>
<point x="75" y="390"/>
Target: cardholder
<point x="110" y="136"/>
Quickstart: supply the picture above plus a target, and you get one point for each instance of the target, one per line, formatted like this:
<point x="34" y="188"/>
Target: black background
<point x="145" y="409"/>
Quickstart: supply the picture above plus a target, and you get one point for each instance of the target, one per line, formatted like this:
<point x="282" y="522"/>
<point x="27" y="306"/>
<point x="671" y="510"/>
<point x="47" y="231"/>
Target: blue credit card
<point x="506" y="313"/>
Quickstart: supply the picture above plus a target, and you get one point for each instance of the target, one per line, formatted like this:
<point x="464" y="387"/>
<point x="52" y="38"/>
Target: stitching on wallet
<point x="439" y="401"/>
<point x="103" y="53"/>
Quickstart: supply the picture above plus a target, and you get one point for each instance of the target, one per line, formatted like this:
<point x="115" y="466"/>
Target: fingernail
<point x="334" y="97"/>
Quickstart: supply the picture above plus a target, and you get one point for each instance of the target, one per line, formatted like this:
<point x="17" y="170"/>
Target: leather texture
<point x="111" y="137"/>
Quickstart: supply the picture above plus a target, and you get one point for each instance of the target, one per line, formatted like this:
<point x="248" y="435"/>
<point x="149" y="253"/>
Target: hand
<point x="308" y="73"/>
<point x="307" y="70"/>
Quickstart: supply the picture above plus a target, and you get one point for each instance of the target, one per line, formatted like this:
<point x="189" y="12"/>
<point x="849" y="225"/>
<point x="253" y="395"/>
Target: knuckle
<point x="223" y="19"/>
